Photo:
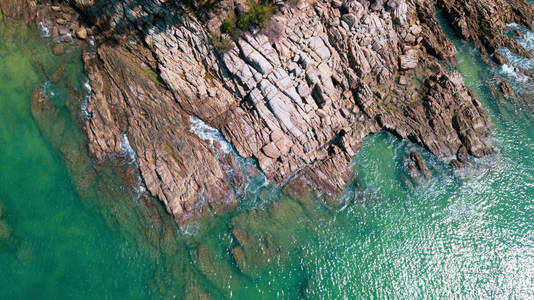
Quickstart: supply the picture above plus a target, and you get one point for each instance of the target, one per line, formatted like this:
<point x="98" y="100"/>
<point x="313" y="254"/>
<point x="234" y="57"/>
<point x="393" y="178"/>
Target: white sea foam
<point x="518" y="79"/>
<point x="140" y="187"/>
<point x="47" y="89"/>
<point x="255" y="183"/>
<point x="511" y="71"/>
<point x="45" y="32"/>
<point x="44" y="92"/>
<point x="208" y="133"/>
<point x="88" y="86"/>
<point x="85" y="112"/>
<point x="127" y="149"/>
<point x="515" y="61"/>
<point x="190" y="229"/>
<point x="528" y="40"/>
<point x="85" y="101"/>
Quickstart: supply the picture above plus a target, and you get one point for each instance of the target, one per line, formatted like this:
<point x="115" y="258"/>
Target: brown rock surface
<point x="506" y="89"/>
<point x="23" y="9"/>
<point x="81" y="33"/>
<point x="177" y="166"/>
<point x="301" y="103"/>
<point x="484" y="21"/>
<point x="420" y="163"/>
<point x="462" y="155"/>
<point x="499" y="58"/>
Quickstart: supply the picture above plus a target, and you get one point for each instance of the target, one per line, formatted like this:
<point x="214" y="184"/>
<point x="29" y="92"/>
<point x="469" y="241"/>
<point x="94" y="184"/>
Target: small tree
<point x="260" y="12"/>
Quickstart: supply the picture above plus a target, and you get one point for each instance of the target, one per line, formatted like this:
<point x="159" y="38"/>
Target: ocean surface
<point x="71" y="229"/>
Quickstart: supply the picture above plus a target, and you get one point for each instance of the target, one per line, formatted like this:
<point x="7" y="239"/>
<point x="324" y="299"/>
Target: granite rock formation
<point x="299" y="96"/>
<point x="484" y="22"/>
<point x="24" y="10"/>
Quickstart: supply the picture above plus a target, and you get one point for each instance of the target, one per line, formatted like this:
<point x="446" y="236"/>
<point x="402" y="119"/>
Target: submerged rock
<point x="506" y="89"/>
<point x="239" y="258"/>
<point x="462" y="155"/>
<point x="413" y="171"/>
<point x="58" y="49"/>
<point x="195" y="292"/>
<point x="6" y="237"/>
<point x="499" y="58"/>
<point x="420" y="163"/>
<point x="5" y="232"/>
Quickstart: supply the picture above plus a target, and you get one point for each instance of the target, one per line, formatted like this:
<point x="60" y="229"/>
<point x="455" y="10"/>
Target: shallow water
<point x="67" y="231"/>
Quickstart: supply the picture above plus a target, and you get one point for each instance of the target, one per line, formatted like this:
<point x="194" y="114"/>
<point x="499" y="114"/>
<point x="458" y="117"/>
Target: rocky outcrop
<point x="484" y="22"/>
<point x="301" y="104"/>
<point x="130" y="110"/>
<point x="337" y="83"/>
<point x="21" y="9"/>
<point x="420" y="163"/>
<point x="300" y="101"/>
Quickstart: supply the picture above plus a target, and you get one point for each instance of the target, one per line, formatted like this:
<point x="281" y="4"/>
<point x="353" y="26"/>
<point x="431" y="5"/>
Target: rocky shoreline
<point x="299" y="96"/>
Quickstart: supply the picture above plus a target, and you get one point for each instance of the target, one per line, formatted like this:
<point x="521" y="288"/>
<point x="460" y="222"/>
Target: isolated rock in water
<point x="499" y="58"/>
<point x="462" y="155"/>
<point x="58" y="49"/>
<point x="413" y="171"/>
<point x="239" y="258"/>
<point x="507" y="89"/>
<point x="418" y="160"/>
<point x="456" y="164"/>
<point x="299" y="97"/>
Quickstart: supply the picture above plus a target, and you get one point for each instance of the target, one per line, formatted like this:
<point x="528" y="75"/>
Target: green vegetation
<point x="151" y="74"/>
<point x="195" y="6"/>
<point x="223" y="44"/>
<point x="229" y="26"/>
<point x="258" y="14"/>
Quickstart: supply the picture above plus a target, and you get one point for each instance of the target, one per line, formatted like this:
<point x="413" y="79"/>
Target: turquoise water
<point x="73" y="229"/>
